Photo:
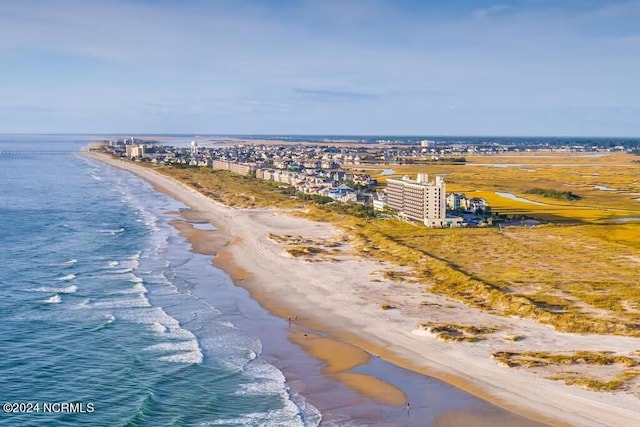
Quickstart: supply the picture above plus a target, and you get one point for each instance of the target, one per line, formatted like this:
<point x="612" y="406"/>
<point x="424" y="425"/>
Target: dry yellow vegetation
<point x="577" y="368"/>
<point x="580" y="274"/>
<point x="609" y="185"/>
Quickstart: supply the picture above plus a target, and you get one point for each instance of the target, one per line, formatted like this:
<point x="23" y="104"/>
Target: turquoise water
<point x="97" y="305"/>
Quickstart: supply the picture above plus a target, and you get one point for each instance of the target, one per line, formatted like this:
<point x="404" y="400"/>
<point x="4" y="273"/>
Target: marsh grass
<point x="578" y="278"/>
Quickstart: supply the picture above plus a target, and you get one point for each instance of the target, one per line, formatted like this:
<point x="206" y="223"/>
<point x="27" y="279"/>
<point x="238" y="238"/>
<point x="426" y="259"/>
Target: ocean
<point x="106" y="316"/>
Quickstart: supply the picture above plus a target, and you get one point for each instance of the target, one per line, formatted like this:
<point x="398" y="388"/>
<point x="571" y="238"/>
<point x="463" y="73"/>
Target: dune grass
<point x="579" y="277"/>
<point x="580" y="360"/>
<point x="232" y="189"/>
<point x="450" y="332"/>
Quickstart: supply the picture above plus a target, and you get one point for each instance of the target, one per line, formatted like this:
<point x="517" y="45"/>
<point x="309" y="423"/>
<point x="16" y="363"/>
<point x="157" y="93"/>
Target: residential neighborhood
<point x="330" y="172"/>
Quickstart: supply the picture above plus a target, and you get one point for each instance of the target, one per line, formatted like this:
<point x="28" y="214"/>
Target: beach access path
<point x="342" y="296"/>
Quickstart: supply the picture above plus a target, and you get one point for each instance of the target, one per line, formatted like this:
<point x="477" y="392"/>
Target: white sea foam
<point x="112" y="232"/>
<point x="67" y="277"/>
<point x="113" y="263"/>
<point x="266" y="379"/>
<point x="138" y="288"/>
<point x="186" y="351"/>
<point x="66" y="290"/>
<point x="83" y="304"/>
<point x="71" y="261"/>
<point x="138" y="301"/>
<point x="53" y="300"/>
<point x="169" y="346"/>
<point x="157" y="327"/>
<point x="190" y="357"/>
<point x="287" y="416"/>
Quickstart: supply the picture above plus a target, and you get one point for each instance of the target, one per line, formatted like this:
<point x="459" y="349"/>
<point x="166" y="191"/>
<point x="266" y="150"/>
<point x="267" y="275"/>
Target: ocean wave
<point x="83" y="304"/>
<point x="181" y="351"/>
<point x="171" y="346"/>
<point x="144" y="409"/>
<point x="112" y="232"/>
<point x="138" y="288"/>
<point x="53" y="300"/>
<point x="71" y="261"/>
<point x="136" y="279"/>
<point x="158" y="327"/>
<point x="191" y="358"/>
<point x="67" y="277"/>
<point x="136" y="302"/>
<point x="109" y="319"/>
<point x="66" y="290"/>
<point x="273" y="418"/>
<point x="151" y="315"/>
<point x="266" y="379"/>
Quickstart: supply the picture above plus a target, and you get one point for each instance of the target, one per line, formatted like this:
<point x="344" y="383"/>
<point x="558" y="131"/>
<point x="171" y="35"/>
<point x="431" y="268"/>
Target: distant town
<point x="329" y="171"/>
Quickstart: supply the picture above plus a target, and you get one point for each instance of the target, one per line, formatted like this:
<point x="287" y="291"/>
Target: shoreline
<point x="341" y="310"/>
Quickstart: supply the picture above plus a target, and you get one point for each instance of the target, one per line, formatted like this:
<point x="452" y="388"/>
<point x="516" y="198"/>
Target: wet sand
<point x="345" y="382"/>
<point x="347" y="378"/>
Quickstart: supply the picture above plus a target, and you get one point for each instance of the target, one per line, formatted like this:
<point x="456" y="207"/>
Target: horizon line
<point x="196" y="135"/>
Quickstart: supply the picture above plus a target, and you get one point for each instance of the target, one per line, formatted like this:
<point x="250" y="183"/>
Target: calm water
<point x="97" y="305"/>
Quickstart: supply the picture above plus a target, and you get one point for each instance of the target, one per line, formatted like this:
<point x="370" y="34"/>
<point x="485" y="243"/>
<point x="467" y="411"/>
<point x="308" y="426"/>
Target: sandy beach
<point x="341" y="296"/>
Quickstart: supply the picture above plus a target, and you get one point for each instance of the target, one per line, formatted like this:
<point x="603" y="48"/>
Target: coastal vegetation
<point x="450" y="332"/>
<point x="554" y="194"/>
<point x="577" y="368"/>
<point x="578" y="274"/>
<point x="308" y="249"/>
<point x="232" y="189"/>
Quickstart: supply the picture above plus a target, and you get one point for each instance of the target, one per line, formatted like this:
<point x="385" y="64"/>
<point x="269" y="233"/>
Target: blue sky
<point x="513" y="67"/>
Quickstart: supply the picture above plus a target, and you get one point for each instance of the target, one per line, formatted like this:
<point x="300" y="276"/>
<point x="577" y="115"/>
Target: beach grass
<point x="450" y="332"/>
<point x="576" y="368"/>
<point x="578" y="274"/>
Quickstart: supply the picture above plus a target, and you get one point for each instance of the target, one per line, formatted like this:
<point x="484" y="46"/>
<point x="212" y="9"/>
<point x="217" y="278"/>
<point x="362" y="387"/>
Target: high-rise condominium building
<point x="419" y="200"/>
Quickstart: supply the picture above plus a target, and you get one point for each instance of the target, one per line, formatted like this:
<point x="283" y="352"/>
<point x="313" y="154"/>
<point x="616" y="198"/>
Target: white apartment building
<point x="134" y="151"/>
<point x="419" y="200"/>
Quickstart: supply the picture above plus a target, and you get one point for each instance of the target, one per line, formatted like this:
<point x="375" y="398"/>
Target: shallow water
<point x="519" y="199"/>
